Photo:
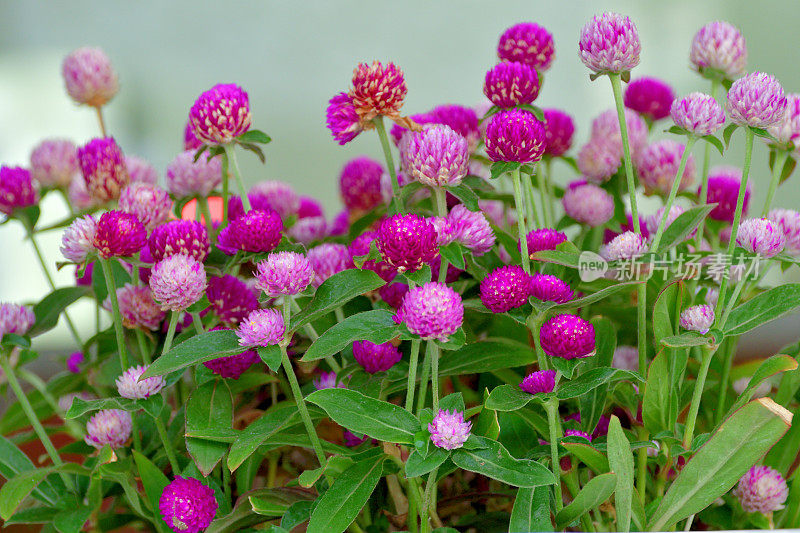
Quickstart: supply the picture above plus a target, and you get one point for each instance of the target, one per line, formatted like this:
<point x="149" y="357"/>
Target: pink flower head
<point x="130" y="386"/>
<point x="627" y="245"/>
<point x="605" y="127"/>
<point x="342" y="119"/>
<point x="407" y="242"/>
<point x="599" y="159"/>
<point x="284" y="273"/>
<point x="140" y="171"/>
<point x="360" y="184"/>
<point x="654" y="220"/>
<point x="658" y="165"/>
<point x="151" y="204"/>
<point x="449" y="430"/>
<point x="761" y="236"/>
<point x="74" y="362"/>
<point x="528" y="43"/>
<point x="609" y="43"/>
<point x="309" y="207"/>
<point x="190" y="140"/>
<point x="110" y="427"/>
<point x="327" y="380"/>
<point x="542" y="381"/>
<point x="262" y="327"/>
<point x="54" y="162"/>
<point x="698" y="113"/>
<point x="308" y="230"/>
<point x="505" y="288"/>
<point x="787" y="129"/>
<point x="377" y="90"/>
<point x="187" y="237"/>
<point x="588" y="204"/>
<point x="17" y="189"/>
<point x="436" y="156"/>
<point x="78" y="239"/>
<point x="220" y="114"/>
<point x="559" y="129"/>
<point x="650" y="97"/>
<point x="568" y="337"/>
<point x="462" y="120"/>
<point x="626" y="358"/>
<point x="15" y="318"/>
<point x="187" y="177"/>
<point x="376" y="357"/>
<point x="232" y="366"/>
<point x="276" y="195"/>
<point x="231" y="298"/>
<point x="761" y="490"/>
<point x="698" y="318"/>
<point x="756" y="100"/>
<point x="723" y="190"/>
<point x="432" y="311"/>
<point x="543" y="239"/>
<point x="393" y="294"/>
<point x="256" y="231"/>
<point x="788" y="221"/>
<point x="578" y="433"/>
<point x="89" y="77"/>
<point x="472" y="229"/>
<point x="137" y="307"/>
<point x="328" y="259"/>
<point x="78" y="194"/>
<point x="119" y="234"/>
<point x="510" y="84"/>
<point x="550" y="289"/>
<point x="177" y="282"/>
<point x="187" y="506"/>
<point x="515" y="135"/>
<point x="719" y="47"/>
<point x="103" y="168"/>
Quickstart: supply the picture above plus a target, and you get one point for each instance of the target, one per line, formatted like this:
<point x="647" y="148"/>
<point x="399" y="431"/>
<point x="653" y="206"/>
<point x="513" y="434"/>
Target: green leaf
<point x="154" y="482"/>
<point x="715" y="142"/>
<point x="592" y="404"/>
<point x="49" y="309"/>
<point x="33" y="515"/>
<point x="18" y="488"/>
<point x="454" y="254"/>
<point x="118" y="272"/>
<point x="677" y="130"/>
<point x="687" y="339"/>
<point x="683" y="226"/>
<point x="783" y="455"/>
<point x="271" y="422"/>
<point x="531" y="511"/>
<point x="657" y="389"/>
<point x="485" y="356"/>
<point x="466" y="195"/>
<point x="274" y="502"/>
<point x="595" y="492"/>
<point x="335" y="292"/>
<point x="590" y="380"/>
<point x="567" y="259"/>
<point x="72" y="519"/>
<point x="13" y="462"/>
<point x="728" y="132"/>
<point x="788" y="166"/>
<point x="377" y="326"/>
<point x="737" y="444"/>
<point x="254" y="136"/>
<point x="342" y="502"/>
<point x="537" y="112"/>
<point x="763" y="308"/>
<point x="771" y="366"/>
<point x="620" y="459"/>
<point x="271" y="356"/>
<point x="210" y="408"/>
<point x="511" y="398"/>
<point x="152" y="405"/>
<point x="595" y="296"/>
<point x="499" y="168"/>
<point x="419" y="277"/>
<point x="494" y="461"/>
<point x="590" y="456"/>
<point x="417" y="466"/>
<point x="198" y="349"/>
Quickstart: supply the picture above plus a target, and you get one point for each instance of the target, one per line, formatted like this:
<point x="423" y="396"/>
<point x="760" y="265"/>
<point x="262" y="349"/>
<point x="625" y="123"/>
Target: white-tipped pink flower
<point x="77" y="240"/>
<point x="762" y="490"/>
<point x="262" y="327"/>
<point x="789" y="222"/>
<point x="89" y="77"/>
<point x="130" y="386"/>
<point x="628" y="245"/>
<point x="761" y="236"/>
<point x="588" y="204"/>
<point x="719" y="46"/>
<point x="698" y="318"/>
<point x="436" y="156"/>
<point x="756" y="100"/>
<point x="698" y="113"/>
<point x="787" y="129"/>
<point x="284" y="273"/>
<point x="610" y="43"/>
<point x="110" y="427"/>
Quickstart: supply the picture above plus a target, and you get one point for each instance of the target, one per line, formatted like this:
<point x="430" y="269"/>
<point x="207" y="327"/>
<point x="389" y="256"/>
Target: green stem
<point x="313" y="336"/>
<point x="545" y="194"/>
<point x="36" y="382"/>
<point x="162" y="434"/>
<point x="230" y="153"/>
<point x="435" y="376"/>
<point x="535" y="326"/>
<point x="641" y="325"/>
<point x="430" y="487"/>
<point x="112" y="295"/>
<point x="554" y="427"/>
<point x="704" y="177"/>
<point x="441" y="210"/>
<point x="547" y="169"/>
<point x="202" y="202"/>
<point x="519" y="205"/>
<point x="226" y="476"/>
<point x="724" y="382"/>
<point x="387" y="154"/>
<point x="673" y="193"/>
<point x="144" y="351"/>
<point x="641" y="467"/>
<point x="100" y="120"/>
<point x="532" y="213"/>
<point x="616" y="86"/>
<point x="173" y="324"/>
<point x="777" y="170"/>
<point x="412" y="374"/>
<point x="225" y="187"/>
<point x="423" y="382"/>
<point x="198" y="323"/>
<point x="691" y="418"/>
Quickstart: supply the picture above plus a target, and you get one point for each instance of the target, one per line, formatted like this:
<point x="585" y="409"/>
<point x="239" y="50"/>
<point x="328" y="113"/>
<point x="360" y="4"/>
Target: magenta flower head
<point x="542" y="381"/>
<point x="220" y="114"/>
<point x="515" y="135"/>
<point x="190" y="140"/>
<point x="510" y="84"/>
<point x="723" y="189"/>
<point x="177" y="282"/>
<point x="15" y="318"/>
<point x="119" y="234"/>
<point x="650" y="97"/>
<point x="309" y="207"/>
<point x="462" y="120"/>
<point x="787" y="130"/>
<point x="658" y="165"/>
<point x="698" y="318"/>
<point x="308" y="230"/>
<point x="698" y="113"/>
<point x="284" y="273"/>
<point x="588" y="204"/>
<point x="327" y="380"/>
<point x="276" y="195"/>
<point x="187" y="177"/>
<point x="544" y="239"/>
<point x="140" y="171"/>
<point x="432" y="311"/>
<point x="436" y="156"/>
<point x="558" y="131"/>
<point x="578" y="433"/>
<point x="505" y="288"/>
<point x="653" y="221"/>
<point x="232" y="366"/>
<point x="756" y="100"/>
<point x="187" y="237"/>
<point x="609" y="43"/>
<point x="627" y="245"/>
<point x="472" y="229"/>
<point x="761" y="236"/>
<point x="550" y="289"/>
<point x="89" y="77"/>
<point x="393" y="294"/>
<point x="528" y="43"/>
<point x="137" y="307"/>
<point x="719" y="47"/>
<point x="788" y="221"/>
<point x="103" y="168"/>
<point x="78" y="239"/>
<point x="599" y="159"/>
<point x="568" y="337"/>
<point x="448" y="430"/>
<point x="407" y="241"/>
<point x="342" y="119"/>
<point x="376" y="357"/>
<point x="231" y="298"/>
<point x="74" y="362"/>
<point x="110" y="427"/>
<point x="262" y="327"/>
<point x="378" y="89"/>
<point x="360" y="184"/>
<point x="187" y="506"/>
<point x="78" y="194"/>
<point x="130" y="386"/>
<point x="761" y="490"/>
<point x="256" y="231"/>
<point x="151" y="204"/>
<point x="54" y="162"/>
<point x="328" y="259"/>
<point x="17" y="189"/>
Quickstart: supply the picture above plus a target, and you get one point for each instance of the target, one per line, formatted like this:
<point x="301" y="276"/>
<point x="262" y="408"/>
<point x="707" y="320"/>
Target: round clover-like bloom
<point x="360" y="184"/>
<point x="610" y="43"/>
<point x="756" y="100"/>
<point x="515" y="135"/>
<point x="74" y="362"/>
<point x="130" y="386"/>
<point x="407" y="242"/>
<point x="720" y="47"/>
<point x="232" y="366"/>
<point x="140" y="171"/>
<point x="78" y="239"/>
<point x="577" y="433"/>
<point x="627" y="245"/>
<point x="698" y="318"/>
<point x="103" y="168"/>
<point x="255" y="231"/>
<point x="308" y="230"/>
<point x="89" y="77"/>
<point x="436" y="156"/>
<point x="698" y="113"/>
<point x="544" y="239"/>
<point x="787" y="129"/>
<point x="177" y="282"/>
<point x="17" y="189"/>
<point x="599" y="159"/>
<point x="472" y="229"/>
<point x="463" y="120"/>
<point x="137" y="307"/>
<point x="658" y="165"/>
<point x="654" y="221"/>
<point x="187" y="506"/>
<point x="432" y="311"/>
<point x="187" y="177"/>
<point x="284" y="273"/>
<point x="761" y="236"/>
<point x="558" y="131"/>
<point x="505" y="288"/>
<point x="190" y="140"/>
<point x="761" y="490"/>
<point x="626" y="358"/>
<point x="262" y="327"/>
<point x="510" y="84"/>
<point x="78" y="194"/>
<point x="588" y="204"/>
<point x="220" y="114"/>
<point x="550" y="289"/>
<point x="723" y="190"/>
<point x="378" y="89"/>
<point x="393" y="294"/>
<point x="110" y="427"/>
<point x="187" y="237"/>
<point x="308" y="207"/>
<point x="342" y="119"/>
<point x="788" y="220"/>
<point x="650" y="97"/>
<point x="231" y="298"/>
<point x="15" y="318"/>
<point x="528" y="43"/>
<point x="54" y="162"/>
<point x="449" y="430"/>
<point x="328" y="259"/>
<point x="567" y="336"/>
<point x="327" y="380"/>
<point x="151" y="204"/>
<point x="376" y="357"/>
<point x="542" y="381"/>
<point x="606" y="127"/>
<point x="119" y="234"/>
<point x="276" y="195"/>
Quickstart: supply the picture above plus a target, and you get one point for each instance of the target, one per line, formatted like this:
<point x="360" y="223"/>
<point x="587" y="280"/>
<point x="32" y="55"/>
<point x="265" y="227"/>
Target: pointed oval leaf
<point x="763" y="308"/>
<point x="198" y="349"/>
<point x="376" y="326"/>
<point x="595" y="492"/>
<point x="335" y="292"/>
<point x="494" y="461"/>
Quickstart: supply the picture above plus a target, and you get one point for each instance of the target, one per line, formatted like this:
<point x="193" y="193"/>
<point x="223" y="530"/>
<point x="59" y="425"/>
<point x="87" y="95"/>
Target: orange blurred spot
<point x="189" y="211"/>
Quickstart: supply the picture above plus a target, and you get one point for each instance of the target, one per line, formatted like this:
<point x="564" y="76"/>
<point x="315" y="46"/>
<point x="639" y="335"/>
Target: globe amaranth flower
<point x="510" y="84"/>
<point x="448" y="429"/>
<point x="137" y="307"/>
<point x="541" y="381"/>
<point x="103" y="168"/>
<point x="723" y="190"/>
<point x="177" y="282"/>
<point x="626" y="358"/>
<point x="606" y="127"/>
<point x="610" y="43"/>
<point x="187" y="177"/>
<point x="74" y="362"/>
<point x="559" y="129"/>
<point x="756" y="100"/>
<point x="529" y="43"/>
<point x="308" y="230"/>
<point x="787" y="129"/>
<point x="190" y="140"/>
<point x="393" y="294"/>
<point x="432" y="311"/>
<point x="788" y="220"/>
<point x="89" y="77"/>
<point x="351" y="440"/>
<point x="220" y="114"/>
<point x="436" y="156"/>
<point x="761" y="490"/>
<point x="360" y="184"/>
<point x="231" y="298"/>
<point x="658" y="165"/>
<point x="608" y="235"/>
<point x="698" y="113"/>
<point x="276" y="195"/>
<point x="78" y="239"/>
<point x="654" y="221"/>
<point x="119" y="234"/>
<point x="543" y="239"/>
<point x="588" y="204"/>
<point x="761" y="236"/>
<point x="599" y="159"/>
<point x="720" y="47"/>
<point x="376" y="357"/>
<point x="54" y="162"/>
<point x="698" y="318"/>
<point x="627" y="245"/>
<point x="255" y="231"/>
<point x="550" y="288"/>
<point x="327" y="380"/>
<point x="78" y="194"/>
<point x="151" y="204"/>
<point x="515" y="135"/>
<point x="342" y="119"/>
<point x="284" y="273"/>
<point x="472" y="229"/>
<point x="15" y="318"/>
<point x="187" y="237"/>
<point x="187" y="506"/>
<point x="567" y="336"/>
<point x="328" y="259"/>
<point x="378" y="89"/>
<point x="83" y="275"/>
<point x="308" y="207"/>
<point x="463" y="120"/>
<point x="407" y="242"/>
<point x="262" y="327"/>
<point x="578" y="433"/>
<point x="130" y="386"/>
<point x="110" y="427"/>
<point x="140" y="171"/>
<point x="505" y="288"/>
<point x="362" y="245"/>
<point x="17" y="189"/>
<point x="650" y="97"/>
<point x="232" y="366"/>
